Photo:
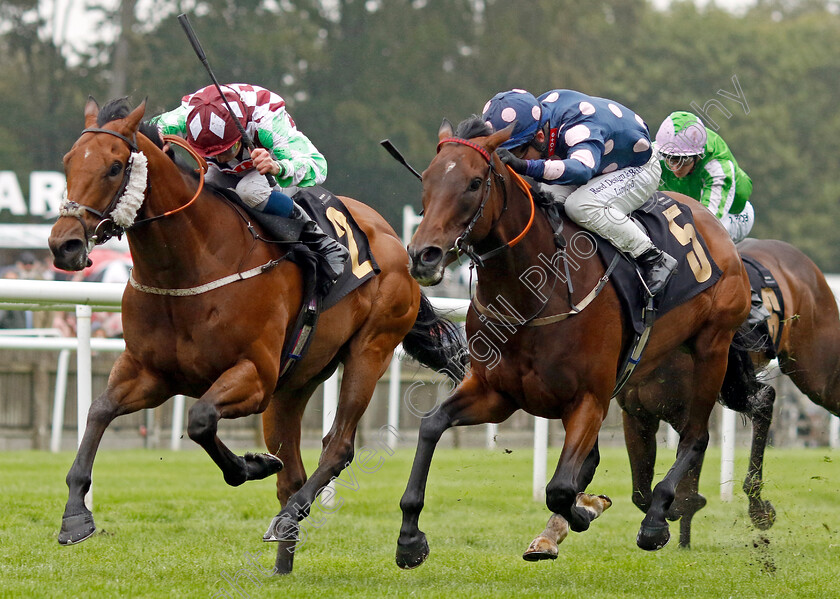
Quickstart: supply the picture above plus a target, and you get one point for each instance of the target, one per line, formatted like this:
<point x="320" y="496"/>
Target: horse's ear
<point x="499" y="137"/>
<point x="445" y="130"/>
<point x="135" y="116"/>
<point x="91" y="111"/>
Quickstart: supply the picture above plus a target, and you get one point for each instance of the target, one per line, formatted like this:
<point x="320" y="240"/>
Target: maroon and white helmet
<point x="211" y="129"/>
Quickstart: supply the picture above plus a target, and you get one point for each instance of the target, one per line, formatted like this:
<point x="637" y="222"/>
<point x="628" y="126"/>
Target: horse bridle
<point x="106" y="228"/>
<point x="461" y="244"/>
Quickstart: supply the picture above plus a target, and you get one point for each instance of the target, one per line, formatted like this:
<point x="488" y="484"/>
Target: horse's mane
<point x="119" y="108"/>
<point x="474" y="126"/>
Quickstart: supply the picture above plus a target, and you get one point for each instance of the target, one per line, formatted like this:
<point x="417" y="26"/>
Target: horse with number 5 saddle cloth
<point x="803" y="332"/>
<point x="210" y="313"/>
<point x="554" y="344"/>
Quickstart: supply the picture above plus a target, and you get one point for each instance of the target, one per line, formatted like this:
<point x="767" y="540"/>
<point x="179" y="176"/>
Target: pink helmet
<point x="681" y="134"/>
<point x="211" y="129"/>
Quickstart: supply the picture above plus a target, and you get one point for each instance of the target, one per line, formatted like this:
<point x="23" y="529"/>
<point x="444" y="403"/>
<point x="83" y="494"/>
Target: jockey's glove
<point x="517" y="164"/>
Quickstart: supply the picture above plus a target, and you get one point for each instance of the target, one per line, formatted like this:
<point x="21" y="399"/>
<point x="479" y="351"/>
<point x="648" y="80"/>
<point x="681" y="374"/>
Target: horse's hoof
<point x="413" y="553"/>
<point x="652" y="538"/>
<point x="763" y="516"/>
<point x="75" y="529"/>
<point x="282" y="528"/>
<point x="541" y="548"/>
<point x="261" y="465"/>
<point x="580" y="519"/>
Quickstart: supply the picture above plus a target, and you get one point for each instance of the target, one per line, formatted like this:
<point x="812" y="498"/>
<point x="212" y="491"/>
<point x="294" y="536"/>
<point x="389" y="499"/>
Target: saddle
<point x="336" y="221"/>
<point x="670" y="225"/>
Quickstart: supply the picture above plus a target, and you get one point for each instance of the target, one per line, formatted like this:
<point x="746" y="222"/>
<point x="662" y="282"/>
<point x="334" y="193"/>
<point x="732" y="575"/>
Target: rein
<point x="121" y="211"/>
<point x="533" y="321"/>
<point x="202" y="168"/>
<point x="460" y="243"/>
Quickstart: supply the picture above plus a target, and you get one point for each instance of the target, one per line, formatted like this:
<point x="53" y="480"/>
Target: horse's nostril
<point x="71" y="247"/>
<point x="431" y="256"/>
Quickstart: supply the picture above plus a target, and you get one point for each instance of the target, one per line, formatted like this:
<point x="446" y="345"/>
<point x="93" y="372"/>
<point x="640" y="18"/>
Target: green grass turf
<point x="170" y="527"/>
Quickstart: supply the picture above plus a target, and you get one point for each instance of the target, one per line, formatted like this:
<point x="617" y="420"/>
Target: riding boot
<point x="758" y="313"/>
<point x="657" y="267"/>
<point x="754" y="333"/>
<point x="333" y="253"/>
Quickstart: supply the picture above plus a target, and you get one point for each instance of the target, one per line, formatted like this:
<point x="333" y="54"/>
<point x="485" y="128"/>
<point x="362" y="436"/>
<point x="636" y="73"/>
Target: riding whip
<point x="393" y="151"/>
<point x="246" y="139"/>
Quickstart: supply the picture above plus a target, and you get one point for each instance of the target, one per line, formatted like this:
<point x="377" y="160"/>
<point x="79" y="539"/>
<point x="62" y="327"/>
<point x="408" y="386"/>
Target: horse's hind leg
<point x="142" y="392"/>
<point x="761" y="511"/>
<point x="473" y="402"/>
<point x="238" y="392"/>
<point x="362" y="370"/>
<point x="710" y="359"/>
<point x="688" y="501"/>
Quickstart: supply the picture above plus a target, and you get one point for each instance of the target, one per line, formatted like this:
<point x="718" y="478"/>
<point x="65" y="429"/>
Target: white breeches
<point x="603" y="203"/>
<point x="739" y="225"/>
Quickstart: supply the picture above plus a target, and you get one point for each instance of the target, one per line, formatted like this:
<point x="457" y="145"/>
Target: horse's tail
<point x="436" y="342"/>
<point x="740" y="384"/>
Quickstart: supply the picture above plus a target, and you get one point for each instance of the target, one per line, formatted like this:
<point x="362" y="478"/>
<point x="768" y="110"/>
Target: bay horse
<point x="187" y="333"/>
<point x="558" y="360"/>
<point x="809" y="353"/>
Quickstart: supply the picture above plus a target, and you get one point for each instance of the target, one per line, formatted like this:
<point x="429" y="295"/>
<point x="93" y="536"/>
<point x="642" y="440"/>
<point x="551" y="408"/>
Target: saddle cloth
<point x="337" y="222"/>
<point x="670" y="226"/>
<point x="764" y="283"/>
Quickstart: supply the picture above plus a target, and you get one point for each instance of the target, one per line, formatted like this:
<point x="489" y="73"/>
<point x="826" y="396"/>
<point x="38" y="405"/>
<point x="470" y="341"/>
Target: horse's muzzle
<point x="426" y="265"/>
<point x="70" y="254"/>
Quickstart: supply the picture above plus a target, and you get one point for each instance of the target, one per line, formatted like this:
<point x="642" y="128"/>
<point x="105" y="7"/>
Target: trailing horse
<point x="555" y="353"/>
<point x="807" y="338"/>
<point x="211" y="307"/>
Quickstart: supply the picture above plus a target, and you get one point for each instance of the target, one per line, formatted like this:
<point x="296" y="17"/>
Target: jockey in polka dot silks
<point x="280" y="150"/>
<point x="594" y="156"/>
<point x="698" y="163"/>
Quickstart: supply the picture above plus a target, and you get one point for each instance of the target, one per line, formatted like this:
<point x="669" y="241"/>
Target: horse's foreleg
<point x="77" y="522"/>
<point x="238" y="392"/>
<point x="577" y="463"/>
<point x="282" y="432"/>
<point x="546" y="544"/>
<point x="762" y="513"/>
<point x="473" y="402"/>
<point x="127" y="392"/>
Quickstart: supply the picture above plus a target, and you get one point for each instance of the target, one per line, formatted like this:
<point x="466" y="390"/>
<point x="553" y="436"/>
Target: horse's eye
<point x="474" y="184"/>
<point x="115" y="169"/>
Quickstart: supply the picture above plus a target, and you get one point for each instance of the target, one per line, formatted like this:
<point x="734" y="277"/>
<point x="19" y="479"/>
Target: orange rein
<point x="202" y="168"/>
<point x="527" y="189"/>
<point x="516" y="177"/>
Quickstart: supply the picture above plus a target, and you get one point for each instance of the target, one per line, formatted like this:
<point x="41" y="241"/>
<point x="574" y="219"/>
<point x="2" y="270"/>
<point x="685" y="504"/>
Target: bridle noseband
<point x="107" y="228"/>
<point x="461" y="244"/>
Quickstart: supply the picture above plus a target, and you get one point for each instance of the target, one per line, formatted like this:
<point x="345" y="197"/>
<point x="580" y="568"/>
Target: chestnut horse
<point x="558" y="360"/>
<point x="189" y="332"/>
<point x="809" y="353"/>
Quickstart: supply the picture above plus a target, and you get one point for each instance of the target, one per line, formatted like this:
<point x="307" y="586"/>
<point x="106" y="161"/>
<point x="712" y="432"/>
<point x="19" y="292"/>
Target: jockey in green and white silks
<point x="698" y="163"/>
<point x="281" y="150"/>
